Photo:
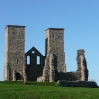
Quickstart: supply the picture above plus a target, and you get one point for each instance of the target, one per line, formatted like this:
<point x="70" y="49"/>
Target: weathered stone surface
<point x="80" y="75"/>
<point x="82" y="65"/>
<point x="69" y="76"/>
<point x="55" y="44"/>
<point x="50" y="68"/>
<point x="14" y="65"/>
<point x="40" y="79"/>
<point x="46" y="70"/>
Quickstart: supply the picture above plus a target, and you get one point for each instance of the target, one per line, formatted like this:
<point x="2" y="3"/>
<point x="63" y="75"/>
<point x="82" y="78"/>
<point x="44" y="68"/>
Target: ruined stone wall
<point x="81" y="74"/>
<point x="82" y="65"/>
<point x="14" y="53"/>
<point x="34" y="69"/>
<point x="56" y="70"/>
<point x="49" y="69"/>
<point x="69" y="76"/>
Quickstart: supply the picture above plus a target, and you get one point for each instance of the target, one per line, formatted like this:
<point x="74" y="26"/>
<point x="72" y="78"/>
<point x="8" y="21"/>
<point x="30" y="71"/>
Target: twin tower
<point x="15" y="65"/>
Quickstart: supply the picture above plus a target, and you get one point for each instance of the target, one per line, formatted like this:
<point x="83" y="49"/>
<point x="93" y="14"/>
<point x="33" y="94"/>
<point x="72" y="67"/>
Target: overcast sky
<point x="80" y="18"/>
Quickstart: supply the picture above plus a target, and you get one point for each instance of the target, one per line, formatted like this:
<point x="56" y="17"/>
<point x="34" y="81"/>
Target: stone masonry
<point x="55" y="45"/>
<point x="32" y="65"/>
<point x="14" y="66"/>
<point x="82" y="65"/>
<point x="81" y="74"/>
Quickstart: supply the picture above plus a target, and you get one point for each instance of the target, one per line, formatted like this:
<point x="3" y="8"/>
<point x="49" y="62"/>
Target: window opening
<point x="28" y="60"/>
<point x="18" y="76"/>
<point x="19" y="33"/>
<point x="60" y="36"/>
<point x="17" y="61"/>
<point x="53" y="36"/>
<point x="38" y="60"/>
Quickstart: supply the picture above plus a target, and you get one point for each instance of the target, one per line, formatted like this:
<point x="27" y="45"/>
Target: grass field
<point x="34" y="90"/>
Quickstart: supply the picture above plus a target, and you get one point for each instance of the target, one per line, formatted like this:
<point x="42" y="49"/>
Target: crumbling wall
<point x="82" y="65"/>
<point x="50" y="73"/>
<point x="68" y="76"/>
<point x="81" y="74"/>
<point x="49" y="69"/>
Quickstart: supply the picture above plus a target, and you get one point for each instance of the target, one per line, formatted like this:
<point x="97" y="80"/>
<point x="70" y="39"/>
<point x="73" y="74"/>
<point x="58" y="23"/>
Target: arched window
<point x="53" y="36"/>
<point x="28" y="60"/>
<point x="19" y="33"/>
<point x="60" y="36"/>
<point x="38" y="60"/>
<point x="17" y="61"/>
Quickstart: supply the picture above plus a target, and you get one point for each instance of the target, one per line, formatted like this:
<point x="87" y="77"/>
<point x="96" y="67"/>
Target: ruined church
<point x="51" y="67"/>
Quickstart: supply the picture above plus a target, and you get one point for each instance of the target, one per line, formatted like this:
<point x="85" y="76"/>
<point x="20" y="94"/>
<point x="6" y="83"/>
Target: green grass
<point x="34" y="90"/>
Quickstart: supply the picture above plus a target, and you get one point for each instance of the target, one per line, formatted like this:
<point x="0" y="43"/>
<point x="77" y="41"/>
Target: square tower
<point x="55" y="44"/>
<point x="14" y="63"/>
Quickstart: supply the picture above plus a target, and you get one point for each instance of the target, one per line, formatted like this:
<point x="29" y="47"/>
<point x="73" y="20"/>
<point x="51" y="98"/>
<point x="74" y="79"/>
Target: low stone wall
<point x="90" y="84"/>
<point x="69" y="76"/>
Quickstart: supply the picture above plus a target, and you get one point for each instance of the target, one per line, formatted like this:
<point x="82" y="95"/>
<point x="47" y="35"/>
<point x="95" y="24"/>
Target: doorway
<point x="18" y="76"/>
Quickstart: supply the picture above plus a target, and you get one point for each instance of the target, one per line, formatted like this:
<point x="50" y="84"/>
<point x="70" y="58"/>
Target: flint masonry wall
<point x="14" y="67"/>
<point x="69" y="76"/>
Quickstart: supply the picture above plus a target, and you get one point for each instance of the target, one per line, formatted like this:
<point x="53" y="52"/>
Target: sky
<point x="79" y="18"/>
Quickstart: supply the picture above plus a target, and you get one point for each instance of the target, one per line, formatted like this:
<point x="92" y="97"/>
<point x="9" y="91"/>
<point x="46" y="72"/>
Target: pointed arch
<point x="60" y="36"/>
<point x="53" y="36"/>
<point x="38" y="60"/>
<point x="28" y="60"/>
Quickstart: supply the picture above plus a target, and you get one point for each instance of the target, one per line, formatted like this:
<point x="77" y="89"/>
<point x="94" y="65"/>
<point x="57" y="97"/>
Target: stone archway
<point x="18" y="76"/>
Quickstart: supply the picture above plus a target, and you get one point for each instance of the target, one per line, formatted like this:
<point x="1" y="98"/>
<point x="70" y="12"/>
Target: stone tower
<point x="55" y="44"/>
<point x="14" y="64"/>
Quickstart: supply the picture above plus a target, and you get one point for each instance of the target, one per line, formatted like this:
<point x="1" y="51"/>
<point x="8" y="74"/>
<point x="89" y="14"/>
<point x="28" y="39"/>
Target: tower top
<point x="15" y="26"/>
<point x="54" y="29"/>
